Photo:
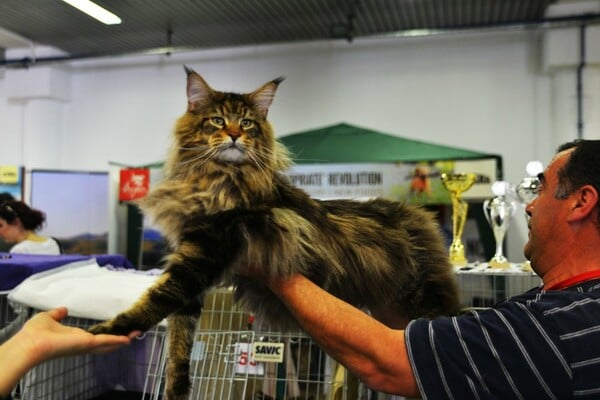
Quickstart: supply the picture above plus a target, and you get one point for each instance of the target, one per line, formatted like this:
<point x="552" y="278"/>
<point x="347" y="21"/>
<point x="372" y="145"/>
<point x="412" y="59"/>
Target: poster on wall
<point x="133" y="183"/>
<point x="76" y="208"/>
<point x="417" y="182"/>
<point x="11" y="180"/>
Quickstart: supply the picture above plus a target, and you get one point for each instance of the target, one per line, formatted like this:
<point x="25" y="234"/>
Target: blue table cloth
<point x="15" y="268"/>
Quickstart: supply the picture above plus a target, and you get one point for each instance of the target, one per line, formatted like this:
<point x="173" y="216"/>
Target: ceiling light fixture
<point x="95" y="11"/>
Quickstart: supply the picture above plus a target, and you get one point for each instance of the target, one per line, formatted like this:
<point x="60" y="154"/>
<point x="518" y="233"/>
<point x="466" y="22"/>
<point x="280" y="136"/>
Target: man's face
<point x="547" y="218"/>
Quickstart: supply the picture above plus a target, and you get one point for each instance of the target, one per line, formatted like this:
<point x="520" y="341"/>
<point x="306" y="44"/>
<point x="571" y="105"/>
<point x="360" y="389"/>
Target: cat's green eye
<point x="246" y="123"/>
<point x="218" y="121"/>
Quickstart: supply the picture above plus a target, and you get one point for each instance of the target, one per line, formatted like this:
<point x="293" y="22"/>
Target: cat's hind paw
<point x="171" y="396"/>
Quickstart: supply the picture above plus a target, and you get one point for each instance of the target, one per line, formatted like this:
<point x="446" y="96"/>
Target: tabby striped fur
<point x="225" y="205"/>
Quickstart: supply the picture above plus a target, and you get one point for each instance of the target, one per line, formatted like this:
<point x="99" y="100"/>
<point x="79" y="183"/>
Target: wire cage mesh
<point x="12" y="317"/>
<point x="484" y="287"/>
<point x="7" y="313"/>
<point x="222" y="367"/>
<point x="92" y="376"/>
<point x="223" y="364"/>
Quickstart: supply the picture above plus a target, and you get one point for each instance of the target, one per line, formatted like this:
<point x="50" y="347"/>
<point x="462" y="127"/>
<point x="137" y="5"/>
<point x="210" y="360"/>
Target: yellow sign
<point x="9" y="174"/>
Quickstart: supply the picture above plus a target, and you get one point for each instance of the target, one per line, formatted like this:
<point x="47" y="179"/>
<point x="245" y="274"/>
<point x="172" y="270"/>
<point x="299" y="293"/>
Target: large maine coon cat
<point x="225" y="203"/>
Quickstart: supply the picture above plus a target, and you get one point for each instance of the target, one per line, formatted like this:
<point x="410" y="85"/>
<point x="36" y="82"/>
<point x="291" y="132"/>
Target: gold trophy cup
<point x="457" y="184"/>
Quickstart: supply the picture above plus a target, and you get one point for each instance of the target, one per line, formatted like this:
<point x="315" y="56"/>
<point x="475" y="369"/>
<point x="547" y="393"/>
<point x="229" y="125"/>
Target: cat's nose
<point x="234" y="134"/>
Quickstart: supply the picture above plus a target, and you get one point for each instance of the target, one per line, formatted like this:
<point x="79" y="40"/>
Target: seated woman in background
<point x="18" y="224"/>
<point x="5" y="196"/>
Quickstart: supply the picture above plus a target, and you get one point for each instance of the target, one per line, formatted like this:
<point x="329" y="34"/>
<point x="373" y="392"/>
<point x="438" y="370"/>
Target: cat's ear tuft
<point x="263" y="96"/>
<point x="277" y="81"/>
<point x="198" y="91"/>
<point x="187" y="69"/>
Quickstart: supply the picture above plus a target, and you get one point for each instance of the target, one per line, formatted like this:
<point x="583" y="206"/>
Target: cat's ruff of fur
<point x="225" y="204"/>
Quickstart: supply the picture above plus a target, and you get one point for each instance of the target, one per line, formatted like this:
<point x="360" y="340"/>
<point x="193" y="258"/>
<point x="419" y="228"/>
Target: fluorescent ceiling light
<point x="94" y="10"/>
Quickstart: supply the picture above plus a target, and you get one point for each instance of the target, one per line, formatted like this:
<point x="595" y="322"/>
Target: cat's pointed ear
<point x="198" y="91"/>
<point x="263" y="96"/>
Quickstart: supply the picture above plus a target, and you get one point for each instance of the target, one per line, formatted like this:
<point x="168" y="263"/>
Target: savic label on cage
<point x="246" y="364"/>
<point x="268" y="352"/>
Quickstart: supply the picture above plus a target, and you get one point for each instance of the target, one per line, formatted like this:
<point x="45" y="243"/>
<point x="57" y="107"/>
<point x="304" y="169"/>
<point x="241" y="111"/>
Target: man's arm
<point x="370" y="350"/>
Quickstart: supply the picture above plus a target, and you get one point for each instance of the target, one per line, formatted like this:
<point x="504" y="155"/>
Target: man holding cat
<point x="544" y="343"/>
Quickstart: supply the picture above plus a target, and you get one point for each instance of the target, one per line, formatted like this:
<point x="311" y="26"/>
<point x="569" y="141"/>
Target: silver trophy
<point x="499" y="212"/>
<point x="527" y="190"/>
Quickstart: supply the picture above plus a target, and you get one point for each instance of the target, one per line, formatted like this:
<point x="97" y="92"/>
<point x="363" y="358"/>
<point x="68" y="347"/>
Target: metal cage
<point x="223" y="365"/>
<point x="91" y="376"/>
<point x="12" y="318"/>
<point x="482" y="287"/>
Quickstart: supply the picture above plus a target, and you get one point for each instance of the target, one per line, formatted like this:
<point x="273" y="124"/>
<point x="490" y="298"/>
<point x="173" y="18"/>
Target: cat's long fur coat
<point x="224" y="205"/>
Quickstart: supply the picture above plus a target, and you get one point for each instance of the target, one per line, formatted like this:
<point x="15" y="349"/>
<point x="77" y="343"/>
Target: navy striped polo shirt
<point x="537" y="345"/>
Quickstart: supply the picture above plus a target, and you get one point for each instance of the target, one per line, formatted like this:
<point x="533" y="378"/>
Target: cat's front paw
<point x="104" y="327"/>
<point x="111" y="327"/>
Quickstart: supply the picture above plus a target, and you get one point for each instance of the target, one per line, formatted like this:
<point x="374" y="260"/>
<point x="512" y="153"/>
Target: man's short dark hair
<point x="581" y="168"/>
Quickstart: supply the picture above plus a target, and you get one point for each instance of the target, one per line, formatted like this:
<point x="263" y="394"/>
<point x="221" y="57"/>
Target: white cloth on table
<point x="85" y="288"/>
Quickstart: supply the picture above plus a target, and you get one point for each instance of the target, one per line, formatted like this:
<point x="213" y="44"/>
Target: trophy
<point x="527" y="190"/>
<point x="499" y="212"/>
<point x="456" y="184"/>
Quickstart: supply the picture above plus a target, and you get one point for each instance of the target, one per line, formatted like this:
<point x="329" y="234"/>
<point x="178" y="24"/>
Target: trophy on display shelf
<point x="457" y="184"/>
<point x="527" y="190"/>
<point x="499" y="212"/>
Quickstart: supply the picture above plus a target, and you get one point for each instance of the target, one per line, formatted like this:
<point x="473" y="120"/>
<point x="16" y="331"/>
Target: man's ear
<point x="585" y="202"/>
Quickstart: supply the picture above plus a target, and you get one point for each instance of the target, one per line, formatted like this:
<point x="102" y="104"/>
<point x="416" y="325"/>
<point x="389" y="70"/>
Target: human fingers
<point x="59" y="313"/>
<point x="51" y="338"/>
<point x="105" y="343"/>
<point x="134" y="334"/>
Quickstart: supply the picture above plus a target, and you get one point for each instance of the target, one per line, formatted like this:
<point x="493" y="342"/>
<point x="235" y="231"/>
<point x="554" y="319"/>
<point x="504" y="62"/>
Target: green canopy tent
<point x="344" y="143"/>
<point x="321" y="150"/>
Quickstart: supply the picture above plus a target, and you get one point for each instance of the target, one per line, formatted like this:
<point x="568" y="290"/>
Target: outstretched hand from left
<point x="42" y="338"/>
<point x="52" y="339"/>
